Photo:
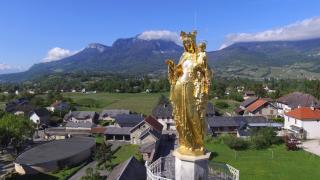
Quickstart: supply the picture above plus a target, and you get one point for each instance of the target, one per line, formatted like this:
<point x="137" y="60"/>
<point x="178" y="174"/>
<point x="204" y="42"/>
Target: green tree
<point x="15" y="130"/>
<point x="103" y="156"/>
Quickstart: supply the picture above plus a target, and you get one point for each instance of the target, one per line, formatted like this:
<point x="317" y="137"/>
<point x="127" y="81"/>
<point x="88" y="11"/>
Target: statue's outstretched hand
<point x="170" y="62"/>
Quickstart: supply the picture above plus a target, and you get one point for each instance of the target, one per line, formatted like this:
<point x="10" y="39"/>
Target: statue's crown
<point x="185" y="36"/>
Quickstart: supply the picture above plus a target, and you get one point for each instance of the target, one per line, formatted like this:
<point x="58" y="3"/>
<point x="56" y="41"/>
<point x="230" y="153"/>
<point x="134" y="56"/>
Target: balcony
<point x="163" y="169"/>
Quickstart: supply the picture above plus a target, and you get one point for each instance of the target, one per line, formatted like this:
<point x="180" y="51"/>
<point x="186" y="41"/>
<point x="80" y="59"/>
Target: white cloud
<point x="162" y="34"/>
<point x="7" y="68"/>
<point x="57" y="53"/>
<point x="306" y="29"/>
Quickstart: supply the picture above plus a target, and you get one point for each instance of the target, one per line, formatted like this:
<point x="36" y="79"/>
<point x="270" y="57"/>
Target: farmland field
<point x="136" y="102"/>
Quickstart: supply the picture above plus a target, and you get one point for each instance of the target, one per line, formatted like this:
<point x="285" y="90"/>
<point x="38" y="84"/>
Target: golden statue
<point x="190" y="83"/>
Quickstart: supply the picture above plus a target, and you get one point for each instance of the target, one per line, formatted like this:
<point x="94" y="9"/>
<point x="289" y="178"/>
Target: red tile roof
<point x="256" y="105"/>
<point x="98" y="130"/>
<point x="304" y="113"/>
<point x="154" y="123"/>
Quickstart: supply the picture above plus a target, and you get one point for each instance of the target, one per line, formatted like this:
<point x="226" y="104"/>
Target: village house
<point x="149" y="126"/>
<point x="236" y="125"/>
<point x="40" y="116"/>
<point x="147" y="134"/>
<point x="59" y="106"/>
<point x="293" y="100"/>
<point x="19" y="107"/>
<point x="261" y="107"/>
<point x="127" y="120"/>
<point x="81" y="120"/>
<point x="248" y="94"/>
<point x="243" y="106"/>
<point x="303" y="122"/>
<point x="110" y="114"/>
<point x="117" y="134"/>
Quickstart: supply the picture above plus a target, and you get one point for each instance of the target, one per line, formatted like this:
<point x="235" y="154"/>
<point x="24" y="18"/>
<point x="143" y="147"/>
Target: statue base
<point x="191" y="167"/>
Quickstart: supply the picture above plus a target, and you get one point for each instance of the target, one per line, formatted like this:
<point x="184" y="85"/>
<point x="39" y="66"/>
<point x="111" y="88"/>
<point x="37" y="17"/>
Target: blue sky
<point x="29" y="29"/>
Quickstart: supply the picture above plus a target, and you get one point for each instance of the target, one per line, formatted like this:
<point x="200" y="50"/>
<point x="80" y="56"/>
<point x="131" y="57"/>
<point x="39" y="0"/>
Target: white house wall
<point x="312" y="128"/>
<point x="35" y="118"/>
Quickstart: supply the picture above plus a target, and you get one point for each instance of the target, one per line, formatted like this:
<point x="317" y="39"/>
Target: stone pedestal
<point x="191" y="167"/>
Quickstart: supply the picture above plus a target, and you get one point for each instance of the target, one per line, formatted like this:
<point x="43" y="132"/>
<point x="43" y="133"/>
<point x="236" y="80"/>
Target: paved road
<point x="312" y="146"/>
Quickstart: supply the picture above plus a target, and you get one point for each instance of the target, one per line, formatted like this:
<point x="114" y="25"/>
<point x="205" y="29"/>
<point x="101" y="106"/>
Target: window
<point x="295" y="121"/>
<point x="271" y="111"/>
<point x="260" y="112"/>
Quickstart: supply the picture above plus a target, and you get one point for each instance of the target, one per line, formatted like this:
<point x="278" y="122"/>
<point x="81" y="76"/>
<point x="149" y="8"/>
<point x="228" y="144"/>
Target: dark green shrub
<point x="264" y="138"/>
<point x="236" y="143"/>
<point x="221" y="105"/>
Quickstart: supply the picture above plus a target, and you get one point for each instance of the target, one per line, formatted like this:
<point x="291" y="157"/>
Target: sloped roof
<point x="256" y="105"/>
<point x="236" y="121"/>
<point x="114" y="112"/>
<point x="117" y="130"/>
<point x="147" y="147"/>
<point x="55" y="150"/>
<point x="128" y="170"/>
<point x="249" y="101"/>
<point x="98" y="130"/>
<point x="80" y="115"/>
<point x="162" y="110"/>
<point x="239" y="111"/>
<point x="41" y="112"/>
<point x="81" y="124"/>
<point x="154" y="123"/>
<point x="128" y="120"/>
<point x="296" y="99"/>
<point x="304" y="113"/>
<point x="152" y="132"/>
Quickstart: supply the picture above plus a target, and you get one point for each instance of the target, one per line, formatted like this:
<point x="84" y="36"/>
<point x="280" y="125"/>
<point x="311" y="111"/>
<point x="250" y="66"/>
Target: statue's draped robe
<point x="188" y="96"/>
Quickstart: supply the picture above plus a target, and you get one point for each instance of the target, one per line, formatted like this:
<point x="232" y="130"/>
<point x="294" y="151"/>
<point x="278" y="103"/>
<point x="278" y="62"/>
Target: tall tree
<point x="15" y="130"/>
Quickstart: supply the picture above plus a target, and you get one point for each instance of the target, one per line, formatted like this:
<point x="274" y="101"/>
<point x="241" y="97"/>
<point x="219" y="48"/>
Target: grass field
<point x="124" y="153"/>
<point x="230" y="109"/>
<point x="136" y="102"/>
<point x="260" y="165"/>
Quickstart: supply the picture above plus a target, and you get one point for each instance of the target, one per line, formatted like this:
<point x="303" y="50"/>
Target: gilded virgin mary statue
<point x="190" y="83"/>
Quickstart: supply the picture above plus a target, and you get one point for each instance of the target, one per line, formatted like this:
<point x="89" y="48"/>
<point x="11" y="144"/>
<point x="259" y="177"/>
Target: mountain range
<point x="258" y="60"/>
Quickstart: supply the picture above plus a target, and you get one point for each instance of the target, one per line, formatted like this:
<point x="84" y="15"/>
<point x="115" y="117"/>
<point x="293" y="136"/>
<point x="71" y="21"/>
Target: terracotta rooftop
<point x="304" y="113"/>
<point x="154" y="123"/>
<point x="256" y="105"/>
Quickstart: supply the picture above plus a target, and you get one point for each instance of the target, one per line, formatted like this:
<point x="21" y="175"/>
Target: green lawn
<point x="67" y="172"/>
<point x="136" y="102"/>
<point x="124" y="153"/>
<point x="232" y="105"/>
<point x="259" y="164"/>
<point x="99" y="139"/>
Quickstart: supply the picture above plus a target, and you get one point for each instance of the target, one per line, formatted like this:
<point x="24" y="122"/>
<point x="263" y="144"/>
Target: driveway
<point x="312" y="146"/>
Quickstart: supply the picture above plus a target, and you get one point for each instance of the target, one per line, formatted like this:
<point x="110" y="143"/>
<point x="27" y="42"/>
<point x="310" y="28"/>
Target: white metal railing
<point x="163" y="169"/>
<point x="234" y="172"/>
<point x="155" y="171"/>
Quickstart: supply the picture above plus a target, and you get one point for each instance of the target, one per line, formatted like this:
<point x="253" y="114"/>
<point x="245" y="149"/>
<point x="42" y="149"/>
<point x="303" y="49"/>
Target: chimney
<point x="312" y="107"/>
